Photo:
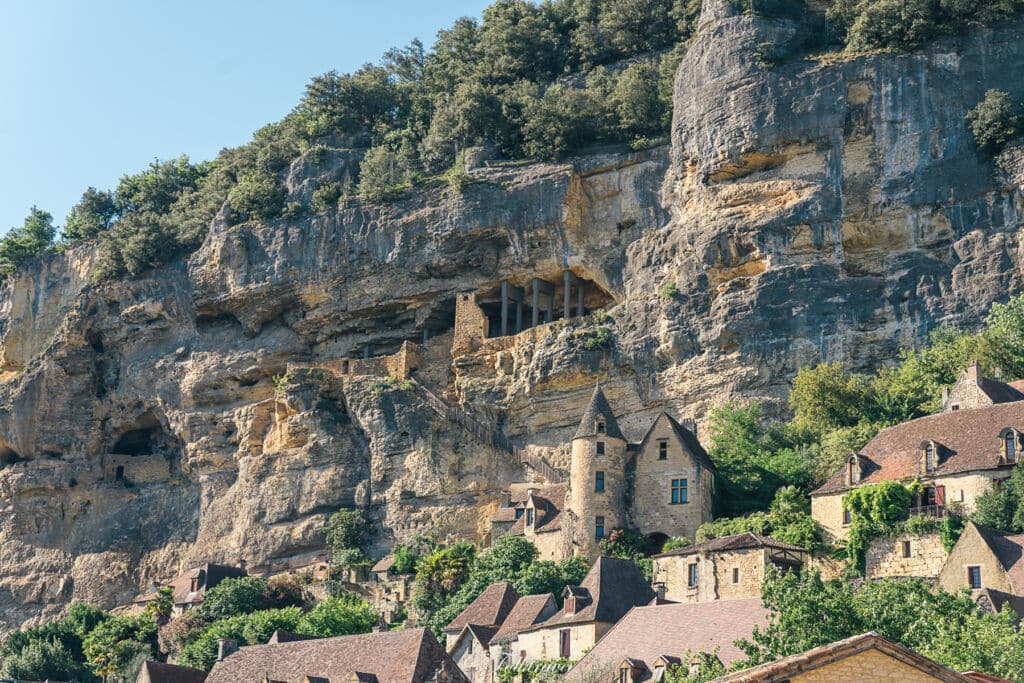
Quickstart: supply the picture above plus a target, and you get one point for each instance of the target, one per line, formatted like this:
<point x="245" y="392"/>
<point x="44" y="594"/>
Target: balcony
<point x="936" y="511"/>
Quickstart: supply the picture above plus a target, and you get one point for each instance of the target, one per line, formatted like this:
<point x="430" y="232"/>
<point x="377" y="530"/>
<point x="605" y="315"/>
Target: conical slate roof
<point x="599" y="407"/>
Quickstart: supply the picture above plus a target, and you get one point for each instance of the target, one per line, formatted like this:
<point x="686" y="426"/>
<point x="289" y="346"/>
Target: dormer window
<point x="570" y="604"/>
<point x="930" y="456"/>
<point x="601" y="429"/>
<point x="852" y="470"/>
<point x="1009" y="438"/>
<point x="529" y="516"/>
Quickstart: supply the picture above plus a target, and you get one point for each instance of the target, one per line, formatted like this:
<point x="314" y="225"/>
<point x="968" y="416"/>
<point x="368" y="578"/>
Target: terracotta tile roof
<point x="208" y="575"/>
<point x="158" y="672"/>
<point x="999" y="392"/>
<point x="598" y="407"/>
<point x="528" y="610"/>
<point x="967" y="440"/>
<point x="489" y="609"/>
<point x="613" y="587"/>
<point x="789" y="667"/>
<point x="504" y="515"/>
<point x="649" y="632"/>
<point x="389" y="656"/>
<point x="734" y="542"/>
<point x="279" y="636"/>
<point x="1009" y="550"/>
<point x="549" y="500"/>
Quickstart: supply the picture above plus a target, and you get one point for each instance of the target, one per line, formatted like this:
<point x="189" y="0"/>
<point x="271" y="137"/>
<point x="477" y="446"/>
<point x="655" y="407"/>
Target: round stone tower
<point x="597" y="476"/>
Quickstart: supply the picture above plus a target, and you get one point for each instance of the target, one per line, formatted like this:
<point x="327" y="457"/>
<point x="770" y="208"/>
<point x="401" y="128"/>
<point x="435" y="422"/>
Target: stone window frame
<point x="599" y="481"/>
<point x="662" y="449"/>
<point x="930" y="456"/>
<point x="853" y="470"/>
<point x="1007" y="436"/>
<point x="679" y="491"/>
<point x="974" y="576"/>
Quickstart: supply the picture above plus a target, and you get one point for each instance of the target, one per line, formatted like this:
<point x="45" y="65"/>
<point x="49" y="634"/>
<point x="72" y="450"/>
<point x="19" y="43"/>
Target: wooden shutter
<point x="940" y="495"/>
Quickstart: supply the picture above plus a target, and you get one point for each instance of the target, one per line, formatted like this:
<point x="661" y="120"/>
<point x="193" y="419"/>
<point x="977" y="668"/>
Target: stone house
<point x="487" y="611"/>
<point x="190" y="588"/>
<point x="723" y="568"/>
<point x="991" y="564"/>
<point x="956" y="454"/>
<point x="973" y="390"/>
<point x="867" y="658"/>
<point x="407" y="656"/>
<point x="905" y="555"/>
<point x="611" y="588"/>
<point x="652" y="638"/>
<point x="660" y="486"/>
<point x="529" y="611"/>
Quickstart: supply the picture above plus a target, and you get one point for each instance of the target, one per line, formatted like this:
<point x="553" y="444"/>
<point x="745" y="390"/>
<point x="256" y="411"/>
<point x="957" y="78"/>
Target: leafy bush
<point x="994" y="121"/>
<point x="338" y="616"/>
<point x="232" y="597"/>
<point x="675" y="543"/>
<point x="326" y="197"/>
<point x="94" y="213"/>
<point x="347" y="530"/>
<point x="112" y="645"/>
<point x="257" y="195"/>
<point x="874" y="510"/>
<point x="668" y="290"/>
<point x="248" y="629"/>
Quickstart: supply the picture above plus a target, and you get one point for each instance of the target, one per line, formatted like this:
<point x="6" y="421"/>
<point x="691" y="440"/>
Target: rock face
<point x="804" y="212"/>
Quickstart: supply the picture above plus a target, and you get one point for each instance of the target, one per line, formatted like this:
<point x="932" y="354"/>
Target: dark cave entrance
<point x="144" y="437"/>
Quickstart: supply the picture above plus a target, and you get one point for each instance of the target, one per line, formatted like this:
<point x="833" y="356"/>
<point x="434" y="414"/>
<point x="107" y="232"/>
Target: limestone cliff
<point x="805" y="212"/>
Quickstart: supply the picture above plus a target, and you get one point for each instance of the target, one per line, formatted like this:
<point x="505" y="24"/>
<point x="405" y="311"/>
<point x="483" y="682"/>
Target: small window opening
<point x="600" y="447"/>
<point x="680" y="492"/>
<point x="974" y="577"/>
<point x="599" y="526"/>
<point x="600" y="427"/>
<point x="692" y="578"/>
<point x="663" y="450"/>
<point x="599" y="481"/>
<point x="119" y="473"/>
<point x="906" y="548"/>
<point x="735" y="574"/>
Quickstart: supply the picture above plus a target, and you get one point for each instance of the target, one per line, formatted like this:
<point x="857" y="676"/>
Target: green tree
<point x="157" y="188"/>
<point x="545" y="576"/>
<point x="338" y="616"/>
<point x="32" y="239"/>
<point x="348" y="532"/>
<point x="636" y="104"/>
<point x="232" y="597"/>
<point x="825" y="397"/>
<point x="258" y="196"/>
<point x="994" y="121"/>
<point x="1002" y="342"/>
<point x="247" y="629"/>
<point x="41" y="660"/>
<point x="94" y="213"/>
<point x="114" y="642"/>
<point x="440" y="574"/>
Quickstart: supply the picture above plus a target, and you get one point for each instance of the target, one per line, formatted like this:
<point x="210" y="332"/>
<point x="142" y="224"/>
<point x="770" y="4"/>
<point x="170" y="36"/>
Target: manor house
<point x="661" y="486"/>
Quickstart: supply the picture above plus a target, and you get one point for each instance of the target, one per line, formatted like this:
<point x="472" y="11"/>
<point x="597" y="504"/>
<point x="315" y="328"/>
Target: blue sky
<point x="94" y="89"/>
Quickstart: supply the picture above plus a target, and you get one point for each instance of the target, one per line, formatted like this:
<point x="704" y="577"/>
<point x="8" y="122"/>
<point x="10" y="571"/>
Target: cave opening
<point x="514" y="305"/>
<point x="9" y="456"/>
<point x="143" y="437"/>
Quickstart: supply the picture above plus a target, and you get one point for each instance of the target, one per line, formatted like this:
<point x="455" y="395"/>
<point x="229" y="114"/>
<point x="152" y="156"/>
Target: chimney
<point x="506" y="499"/>
<point x="225" y="648"/>
<point x="974" y="371"/>
<point x="660" y="589"/>
<point x="945" y="395"/>
<point x="690" y="425"/>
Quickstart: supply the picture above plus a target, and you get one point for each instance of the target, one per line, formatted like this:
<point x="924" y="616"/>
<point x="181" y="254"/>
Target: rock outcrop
<point x="804" y="212"/>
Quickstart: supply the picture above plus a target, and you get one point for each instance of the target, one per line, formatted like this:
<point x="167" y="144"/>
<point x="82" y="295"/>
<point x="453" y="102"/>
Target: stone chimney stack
<point x="660" y="589"/>
<point x="506" y="499"/>
<point x="974" y="372"/>
<point x="945" y="395"/>
<point x="225" y="648"/>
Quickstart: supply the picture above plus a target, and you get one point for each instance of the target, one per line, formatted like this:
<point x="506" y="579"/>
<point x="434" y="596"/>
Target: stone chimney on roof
<point x="506" y="499"/>
<point x="974" y="371"/>
<point x="225" y="648"/>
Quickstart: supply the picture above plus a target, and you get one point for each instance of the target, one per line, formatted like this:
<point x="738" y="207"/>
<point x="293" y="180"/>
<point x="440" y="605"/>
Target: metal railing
<point x="487" y="434"/>
<point x="937" y="511"/>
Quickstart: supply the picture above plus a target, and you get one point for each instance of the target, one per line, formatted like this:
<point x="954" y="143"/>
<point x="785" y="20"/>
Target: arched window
<point x="1010" y="446"/>
<point x="852" y="470"/>
<point x="929" y="457"/>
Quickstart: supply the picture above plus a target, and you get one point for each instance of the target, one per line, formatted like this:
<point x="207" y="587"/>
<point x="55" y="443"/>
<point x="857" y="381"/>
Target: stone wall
<point x="137" y="469"/>
<point x="473" y="658"/>
<point x="652" y="510"/>
<point x="971" y="550"/>
<point x="544" y="643"/>
<point x="471" y="325"/>
<point x="827" y="510"/>
<point x="715" y="575"/>
<point x="887" y="557"/>
<point x="870" y="665"/>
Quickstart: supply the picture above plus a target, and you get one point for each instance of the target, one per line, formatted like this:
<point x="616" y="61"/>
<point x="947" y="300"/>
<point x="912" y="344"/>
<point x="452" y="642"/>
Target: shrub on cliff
<point x="994" y="121"/>
<point x="258" y="195"/>
<point x="32" y="239"/>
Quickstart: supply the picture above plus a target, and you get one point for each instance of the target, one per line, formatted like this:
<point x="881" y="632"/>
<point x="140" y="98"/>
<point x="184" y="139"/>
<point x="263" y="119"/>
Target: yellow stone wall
<point x="544" y="643"/>
<point x="884" y="556"/>
<point x="870" y="666"/>
<point x="471" y="325"/>
<point x="715" y="575"/>
<point x="653" y="511"/>
<point x="138" y="469"/>
<point x="972" y="550"/>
